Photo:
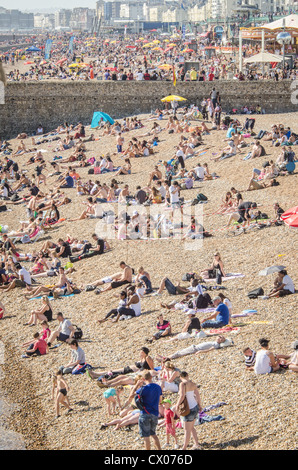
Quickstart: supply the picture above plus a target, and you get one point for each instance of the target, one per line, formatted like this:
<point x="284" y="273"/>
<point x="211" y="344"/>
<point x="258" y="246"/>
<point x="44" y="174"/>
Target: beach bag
<point x="80" y="369"/>
<point x="139" y="401"/>
<point x="188" y="276"/>
<point x="183" y="408"/>
<point x="78" y="334"/>
<point x="91" y="171"/>
<point x="201" y="197"/>
<point x="97" y="170"/>
<point x="255" y="293"/>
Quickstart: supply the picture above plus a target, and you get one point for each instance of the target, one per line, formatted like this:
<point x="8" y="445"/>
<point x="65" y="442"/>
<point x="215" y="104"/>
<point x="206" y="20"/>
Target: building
<point x="62" y="18"/>
<point x="82" y="19"/>
<point x="15" y="20"/>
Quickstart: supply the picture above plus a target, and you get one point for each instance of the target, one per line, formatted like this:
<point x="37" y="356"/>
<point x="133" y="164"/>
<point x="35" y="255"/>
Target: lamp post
<point x="283" y="38"/>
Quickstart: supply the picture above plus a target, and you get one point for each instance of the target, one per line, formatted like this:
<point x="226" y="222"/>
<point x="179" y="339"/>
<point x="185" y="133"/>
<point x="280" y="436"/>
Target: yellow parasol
<point x="172" y="98"/>
<point x="165" y="66"/>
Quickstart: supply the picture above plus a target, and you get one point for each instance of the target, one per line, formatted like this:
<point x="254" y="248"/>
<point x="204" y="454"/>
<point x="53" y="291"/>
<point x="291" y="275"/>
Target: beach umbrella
<point x="271" y="270"/>
<point x="61" y="61"/>
<point x="33" y="49"/>
<point x="188" y="50"/>
<point x="290" y="217"/>
<point x="165" y="66"/>
<point x="172" y="98"/>
<point x="29" y="62"/>
<point x="156" y="41"/>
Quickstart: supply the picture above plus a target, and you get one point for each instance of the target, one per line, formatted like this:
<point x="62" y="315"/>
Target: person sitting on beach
<point x="285" y="287"/>
<point x="132" y="307"/>
<point x="163" y="329"/>
<point x="266" y="361"/>
<point x="77" y="358"/>
<point x="290" y="361"/>
<point x="44" y="313"/>
<point x="217" y="267"/>
<point x="64" y="332"/>
<point x="250" y="358"/>
<point x="219" y="318"/>
<point x="191" y="326"/>
<point x="169" y="377"/>
<point x="115" y="280"/>
<point x="38" y="347"/>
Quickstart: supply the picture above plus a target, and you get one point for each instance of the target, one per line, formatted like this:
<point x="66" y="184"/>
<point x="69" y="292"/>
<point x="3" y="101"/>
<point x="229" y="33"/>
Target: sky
<point x="43" y="4"/>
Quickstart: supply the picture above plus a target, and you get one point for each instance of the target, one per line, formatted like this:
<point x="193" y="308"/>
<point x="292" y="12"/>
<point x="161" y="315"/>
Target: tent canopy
<point x="263" y="57"/>
<point x="291" y="21"/>
<point x="97" y="117"/>
<point x="33" y="49"/>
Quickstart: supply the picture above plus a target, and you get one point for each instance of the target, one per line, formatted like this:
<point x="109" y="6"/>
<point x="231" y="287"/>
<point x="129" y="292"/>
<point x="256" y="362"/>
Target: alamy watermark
<point x="294" y="94"/>
<point x="154" y="222"/>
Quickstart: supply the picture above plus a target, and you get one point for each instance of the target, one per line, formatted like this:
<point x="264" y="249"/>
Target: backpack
<point x="202" y="301"/>
<point x="78" y="334"/>
<point x="255" y="293"/>
<point x="139" y="401"/>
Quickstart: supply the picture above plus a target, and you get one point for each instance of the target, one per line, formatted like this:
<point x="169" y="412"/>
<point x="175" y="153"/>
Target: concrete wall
<point x="51" y="103"/>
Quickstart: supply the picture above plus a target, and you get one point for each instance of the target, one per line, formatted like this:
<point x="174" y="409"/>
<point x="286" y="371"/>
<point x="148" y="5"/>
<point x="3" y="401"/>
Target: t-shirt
<point x="223" y="313"/>
<point x="141" y="196"/>
<point x="151" y="394"/>
<point x="288" y="284"/>
<point x="78" y="355"/>
<point x="26" y="276"/>
<point x="230" y="132"/>
<point x="168" y="415"/>
<point x="41" y="345"/>
<point x="174" y="193"/>
<point x="64" y="327"/>
<point x="69" y="181"/>
<point x="200" y="172"/>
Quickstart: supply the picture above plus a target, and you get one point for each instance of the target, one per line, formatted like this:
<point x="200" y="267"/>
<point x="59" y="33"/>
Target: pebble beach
<point x="260" y="411"/>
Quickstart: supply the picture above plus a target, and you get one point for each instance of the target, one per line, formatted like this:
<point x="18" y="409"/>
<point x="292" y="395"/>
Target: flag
<point x="174" y="76"/>
<point x="48" y="48"/>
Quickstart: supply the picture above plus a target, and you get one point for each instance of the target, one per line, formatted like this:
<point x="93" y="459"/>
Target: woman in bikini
<point x="59" y="393"/>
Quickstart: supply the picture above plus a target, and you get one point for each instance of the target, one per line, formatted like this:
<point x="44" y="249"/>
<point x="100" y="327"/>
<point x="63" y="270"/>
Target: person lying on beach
<point x="197" y="349"/>
<point x="116" y="377"/>
<point x="89" y="251"/>
<point x="171" y="288"/>
<point x="115" y="280"/>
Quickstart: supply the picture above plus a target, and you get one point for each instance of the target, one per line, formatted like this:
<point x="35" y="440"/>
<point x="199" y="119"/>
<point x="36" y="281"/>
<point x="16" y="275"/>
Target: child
<point x="59" y="393"/>
<point x="169" y="422"/>
<point x="112" y="396"/>
<point x="46" y="332"/>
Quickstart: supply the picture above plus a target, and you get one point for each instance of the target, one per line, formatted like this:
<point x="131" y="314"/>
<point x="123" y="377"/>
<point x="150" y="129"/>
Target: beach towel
<point x="225" y="329"/>
<point x="227" y="277"/>
<point x="52" y="298"/>
<point x="245" y="313"/>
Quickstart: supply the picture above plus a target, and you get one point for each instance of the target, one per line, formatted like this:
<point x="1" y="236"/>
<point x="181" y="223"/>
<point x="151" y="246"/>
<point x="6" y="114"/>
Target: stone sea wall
<point x="50" y="103"/>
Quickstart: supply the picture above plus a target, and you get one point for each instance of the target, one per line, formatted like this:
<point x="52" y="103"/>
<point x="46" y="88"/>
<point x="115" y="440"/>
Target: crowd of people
<point x="46" y="192"/>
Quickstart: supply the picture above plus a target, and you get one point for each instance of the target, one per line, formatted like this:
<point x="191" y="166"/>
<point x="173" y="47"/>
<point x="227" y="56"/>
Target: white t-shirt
<point x="162" y="191"/>
<point x="180" y="153"/>
<point x="262" y="364"/>
<point x="139" y="76"/>
<point x="288" y="284"/>
<point x="174" y="193"/>
<point x="200" y="172"/>
<point x="26" y="276"/>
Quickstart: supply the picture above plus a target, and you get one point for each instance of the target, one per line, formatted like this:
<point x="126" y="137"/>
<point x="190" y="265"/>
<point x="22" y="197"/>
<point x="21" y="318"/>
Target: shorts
<point x="147" y="424"/>
<point x="116" y="284"/>
<point x="284" y="292"/>
<point x="176" y="205"/>
<point x="192" y="415"/>
<point x="256" y="171"/>
<point x="119" y="148"/>
<point x="62" y="337"/>
<point x="106" y="280"/>
<point x="20" y="283"/>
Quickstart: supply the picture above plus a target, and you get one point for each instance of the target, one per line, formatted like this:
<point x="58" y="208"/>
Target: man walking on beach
<point x="151" y="396"/>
